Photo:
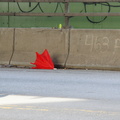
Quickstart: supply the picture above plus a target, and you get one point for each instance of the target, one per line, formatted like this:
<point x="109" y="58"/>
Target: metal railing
<point x="60" y="1"/>
<point x="65" y="14"/>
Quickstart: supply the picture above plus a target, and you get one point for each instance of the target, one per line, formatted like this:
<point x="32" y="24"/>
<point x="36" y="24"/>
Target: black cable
<point x="92" y="20"/>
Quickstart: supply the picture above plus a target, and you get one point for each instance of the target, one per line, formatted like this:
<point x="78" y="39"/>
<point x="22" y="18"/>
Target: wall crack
<point x="68" y="48"/>
<point x="13" y="47"/>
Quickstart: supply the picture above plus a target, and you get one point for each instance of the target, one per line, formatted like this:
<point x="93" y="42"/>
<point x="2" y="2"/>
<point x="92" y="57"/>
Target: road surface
<point x="27" y="94"/>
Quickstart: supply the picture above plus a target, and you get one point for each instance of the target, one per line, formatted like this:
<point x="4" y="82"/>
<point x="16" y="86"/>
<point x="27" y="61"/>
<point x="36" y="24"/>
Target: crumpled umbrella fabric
<point x="43" y="61"/>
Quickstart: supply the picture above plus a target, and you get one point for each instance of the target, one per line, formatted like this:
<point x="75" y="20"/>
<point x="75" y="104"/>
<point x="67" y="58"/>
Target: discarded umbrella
<point x="43" y="61"/>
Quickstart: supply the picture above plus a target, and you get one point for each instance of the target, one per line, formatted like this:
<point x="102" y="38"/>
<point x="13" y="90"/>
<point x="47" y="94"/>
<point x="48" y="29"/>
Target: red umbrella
<point x="43" y="61"/>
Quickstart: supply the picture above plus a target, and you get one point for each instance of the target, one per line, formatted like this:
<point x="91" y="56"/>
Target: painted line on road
<point x="23" y="108"/>
<point x="94" y="111"/>
<point x="6" y="107"/>
<point x="32" y="108"/>
<point x="14" y="102"/>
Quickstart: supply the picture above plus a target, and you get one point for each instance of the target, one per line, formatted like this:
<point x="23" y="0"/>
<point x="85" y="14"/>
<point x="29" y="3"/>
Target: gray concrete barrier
<point x="31" y="40"/>
<point x="74" y="48"/>
<point x="95" y="49"/>
<point x="6" y="45"/>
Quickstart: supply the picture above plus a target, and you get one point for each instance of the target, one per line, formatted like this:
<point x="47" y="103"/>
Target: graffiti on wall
<point x="101" y="43"/>
<point x="86" y="8"/>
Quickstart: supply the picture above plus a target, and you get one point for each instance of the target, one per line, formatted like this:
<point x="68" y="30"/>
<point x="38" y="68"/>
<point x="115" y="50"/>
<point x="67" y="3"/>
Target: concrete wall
<point x="6" y="45"/>
<point x="96" y="49"/>
<point x="74" y="48"/>
<point x="28" y="41"/>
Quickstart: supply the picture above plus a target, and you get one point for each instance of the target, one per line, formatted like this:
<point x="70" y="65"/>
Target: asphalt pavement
<point x="59" y="94"/>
